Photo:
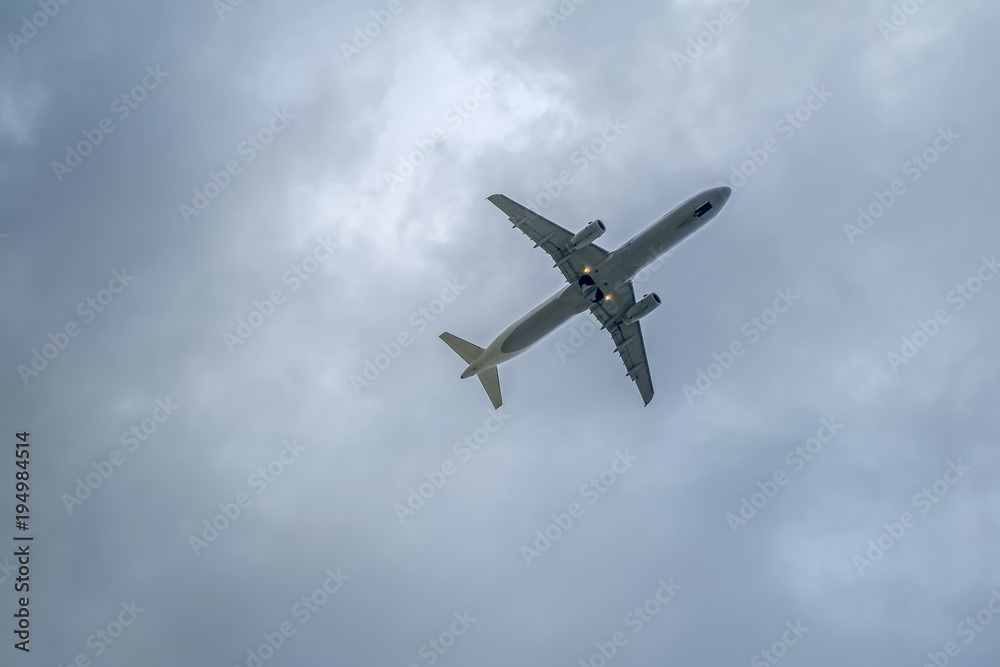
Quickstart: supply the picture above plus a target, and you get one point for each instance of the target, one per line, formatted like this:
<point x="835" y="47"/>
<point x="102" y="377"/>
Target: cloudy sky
<point x="216" y="219"/>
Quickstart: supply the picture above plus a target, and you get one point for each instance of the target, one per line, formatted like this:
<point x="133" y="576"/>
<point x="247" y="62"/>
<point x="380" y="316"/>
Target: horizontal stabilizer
<point x="464" y="348"/>
<point x="491" y="383"/>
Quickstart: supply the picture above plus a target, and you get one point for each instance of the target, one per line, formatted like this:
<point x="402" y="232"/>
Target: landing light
<point x="586" y="270"/>
<point x="607" y="298"/>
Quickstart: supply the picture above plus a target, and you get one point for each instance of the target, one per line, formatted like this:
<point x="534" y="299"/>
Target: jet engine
<point x="643" y="307"/>
<point x="587" y="235"/>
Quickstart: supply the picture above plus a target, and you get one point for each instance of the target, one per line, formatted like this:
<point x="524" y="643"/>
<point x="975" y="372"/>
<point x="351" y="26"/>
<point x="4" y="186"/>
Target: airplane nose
<point x="726" y="192"/>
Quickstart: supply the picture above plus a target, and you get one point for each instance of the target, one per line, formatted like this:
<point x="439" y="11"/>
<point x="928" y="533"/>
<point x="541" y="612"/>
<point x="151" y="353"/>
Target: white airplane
<point x="598" y="280"/>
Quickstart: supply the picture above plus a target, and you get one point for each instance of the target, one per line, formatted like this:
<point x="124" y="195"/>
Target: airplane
<point x="599" y="280"/>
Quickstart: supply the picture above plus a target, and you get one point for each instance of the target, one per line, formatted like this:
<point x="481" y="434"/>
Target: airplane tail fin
<point x="469" y="353"/>
<point x="464" y="348"/>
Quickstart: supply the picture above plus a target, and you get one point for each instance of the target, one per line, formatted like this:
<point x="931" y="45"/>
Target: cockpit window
<point x="703" y="209"/>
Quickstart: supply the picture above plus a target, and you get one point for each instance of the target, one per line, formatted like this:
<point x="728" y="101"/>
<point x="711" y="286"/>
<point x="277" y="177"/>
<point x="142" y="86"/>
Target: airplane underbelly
<point x="542" y="321"/>
<point x="658" y="239"/>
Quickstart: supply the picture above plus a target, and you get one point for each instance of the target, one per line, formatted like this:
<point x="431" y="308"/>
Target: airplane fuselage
<point x="611" y="276"/>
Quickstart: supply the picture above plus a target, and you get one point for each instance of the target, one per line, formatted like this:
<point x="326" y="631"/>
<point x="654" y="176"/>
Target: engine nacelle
<point x="644" y="307"/>
<point x="587" y="235"/>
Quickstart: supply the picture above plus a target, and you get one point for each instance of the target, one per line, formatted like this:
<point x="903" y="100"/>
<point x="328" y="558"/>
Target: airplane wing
<point x="551" y="238"/>
<point x="628" y="339"/>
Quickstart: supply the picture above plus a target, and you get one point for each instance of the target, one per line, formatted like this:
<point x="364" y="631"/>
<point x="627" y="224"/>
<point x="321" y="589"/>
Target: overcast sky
<point x="216" y="219"/>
